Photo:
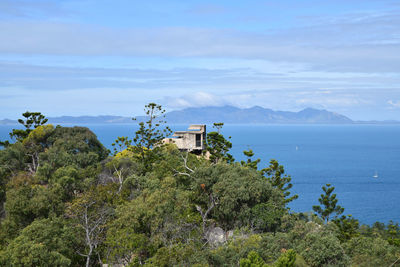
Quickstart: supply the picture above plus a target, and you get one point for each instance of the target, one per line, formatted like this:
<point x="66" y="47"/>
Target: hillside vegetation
<point x="68" y="201"/>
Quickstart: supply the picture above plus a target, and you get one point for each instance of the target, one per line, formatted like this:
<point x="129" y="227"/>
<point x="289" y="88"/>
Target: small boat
<point x="297" y="148"/>
<point x="375" y="175"/>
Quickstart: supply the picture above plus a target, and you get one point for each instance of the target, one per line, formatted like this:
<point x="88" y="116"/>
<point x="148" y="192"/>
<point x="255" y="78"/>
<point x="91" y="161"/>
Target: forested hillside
<point x="68" y="201"/>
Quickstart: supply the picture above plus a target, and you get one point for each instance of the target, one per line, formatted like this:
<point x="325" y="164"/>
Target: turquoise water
<point x="347" y="156"/>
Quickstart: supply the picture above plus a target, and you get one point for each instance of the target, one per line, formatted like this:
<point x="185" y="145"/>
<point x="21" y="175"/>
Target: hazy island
<point x="227" y="114"/>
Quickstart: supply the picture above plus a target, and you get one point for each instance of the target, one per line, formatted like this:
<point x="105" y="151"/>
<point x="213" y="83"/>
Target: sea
<point x="362" y="162"/>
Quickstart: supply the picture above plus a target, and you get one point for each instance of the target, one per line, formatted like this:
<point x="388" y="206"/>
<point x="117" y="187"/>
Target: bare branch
<point x="185" y="159"/>
<point x="211" y="204"/>
<point x="394" y="262"/>
<point x="181" y="173"/>
<point x="120" y="178"/>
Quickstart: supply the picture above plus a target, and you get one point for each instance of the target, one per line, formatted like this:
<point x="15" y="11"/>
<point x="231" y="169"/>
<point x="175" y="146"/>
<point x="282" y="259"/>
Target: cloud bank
<point x="287" y="55"/>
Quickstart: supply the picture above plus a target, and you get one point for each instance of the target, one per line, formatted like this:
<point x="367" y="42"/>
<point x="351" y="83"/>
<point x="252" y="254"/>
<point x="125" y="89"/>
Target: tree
<point x="156" y="218"/>
<point x="12" y="160"/>
<point x="323" y="248"/>
<point x="27" y="201"/>
<point x="233" y="195"/>
<point x="120" y="167"/>
<point x="329" y="204"/>
<point x="45" y="242"/>
<point x="253" y="260"/>
<point x="120" y="144"/>
<point x="35" y="143"/>
<point x="393" y="231"/>
<point x="371" y="252"/>
<point x="348" y="227"/>
<point x="90" y="212"/>
<point x="287" y="259"/>
<point x="218" y="146"/>
<point x="31" y="118"/>
<point x="34" y="119"/>
<point x="275" y="173"/>
<point x="73" y="148"/>
<point x="150" y="134"/>
<point x="250" y="163"/>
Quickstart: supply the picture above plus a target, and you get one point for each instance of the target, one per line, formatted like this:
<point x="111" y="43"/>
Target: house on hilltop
<point x="192" y="140"/>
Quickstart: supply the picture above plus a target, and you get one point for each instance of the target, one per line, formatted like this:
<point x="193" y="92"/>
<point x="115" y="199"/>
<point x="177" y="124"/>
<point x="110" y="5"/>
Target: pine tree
<point x="275" y="174"/>
<point x="218" y="146"/>
<point x="150" y="134"/>
<point x="34" y="119"/>
<point x="250" y="163"/>
<point x="329" y="204"/>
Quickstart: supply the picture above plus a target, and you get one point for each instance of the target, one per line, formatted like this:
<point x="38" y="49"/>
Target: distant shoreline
<point x="229" y="115"/>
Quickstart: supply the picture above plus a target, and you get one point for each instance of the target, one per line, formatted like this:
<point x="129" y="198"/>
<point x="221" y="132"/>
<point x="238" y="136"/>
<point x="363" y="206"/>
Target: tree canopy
<point x="65" y="201"/>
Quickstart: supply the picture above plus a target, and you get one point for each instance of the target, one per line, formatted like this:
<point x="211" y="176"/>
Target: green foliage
<point x="250" y="163"/>
<point x="177" y="255"/>
<point x="348" y="227"/>
<point x="66" y="202"/>
<point x="267" y="216"/>
<point x="323" y="248"/>
<point x="329" y="204"/>
<point x="151" y="220"/>
<point x="238" y="191"/>
<point x="393" y="231"/>
<point x="71" y="148"/>
<point x="27" y="201"/>
<point x="234" y="250"/>
<point x="275" y="174"/>
<point x="120" y="144"/>
<point x="12" y="160"/>
<point x="253" y="260"/>
<point x="34" y="119"/>
<point x="287" y="259"/>
<point x="272" y="245"/>
<point x="46" y="242"/>
<point x="371" y="251"/>
<point x="35" y="143"/>
<point x="90" y="213"/>
<point x="79" y="145"/>
<point x="218" y="146"/>
<point x="150" y="134"/>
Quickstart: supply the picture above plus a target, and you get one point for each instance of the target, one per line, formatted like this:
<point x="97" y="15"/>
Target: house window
<point x="198" y="140"/>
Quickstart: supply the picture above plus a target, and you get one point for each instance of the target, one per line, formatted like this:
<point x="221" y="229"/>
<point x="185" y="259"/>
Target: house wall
<point x="187" y="140"/>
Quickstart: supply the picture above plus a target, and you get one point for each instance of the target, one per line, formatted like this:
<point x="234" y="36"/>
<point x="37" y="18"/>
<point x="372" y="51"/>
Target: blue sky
<point x="88" y="57"/>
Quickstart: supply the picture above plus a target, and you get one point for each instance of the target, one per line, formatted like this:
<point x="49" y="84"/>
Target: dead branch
<point x="120" y="177"/>
<point x="185" y="160"/>
<point x="211" y="204"/>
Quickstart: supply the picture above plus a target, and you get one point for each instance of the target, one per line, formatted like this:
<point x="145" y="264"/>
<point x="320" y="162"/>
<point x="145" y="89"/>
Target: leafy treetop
<point x="150" y="135"/>
<point x="34" y="119"/>
<point x="275" y="173"/>
<point x="329" y="204"/>
<point x="218" y="146"/>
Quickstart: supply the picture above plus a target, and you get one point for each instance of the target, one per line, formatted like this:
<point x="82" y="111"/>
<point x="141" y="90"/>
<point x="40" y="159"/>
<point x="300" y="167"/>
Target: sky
<point x="111" y="57"/>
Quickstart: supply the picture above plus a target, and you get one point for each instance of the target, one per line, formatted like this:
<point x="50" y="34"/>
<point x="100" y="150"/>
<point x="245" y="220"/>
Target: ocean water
<point x="346" y="156"/>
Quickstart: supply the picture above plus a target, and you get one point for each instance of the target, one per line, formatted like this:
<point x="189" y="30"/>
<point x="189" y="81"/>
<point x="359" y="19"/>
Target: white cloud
<point x="363" y="45"/>
<point x="354" y="57"/>
<point x="196" y="99"/>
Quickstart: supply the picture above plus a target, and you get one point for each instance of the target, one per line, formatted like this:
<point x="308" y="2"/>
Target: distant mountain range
<point x="226" y="114"/>
<point x="254" y="115"/>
